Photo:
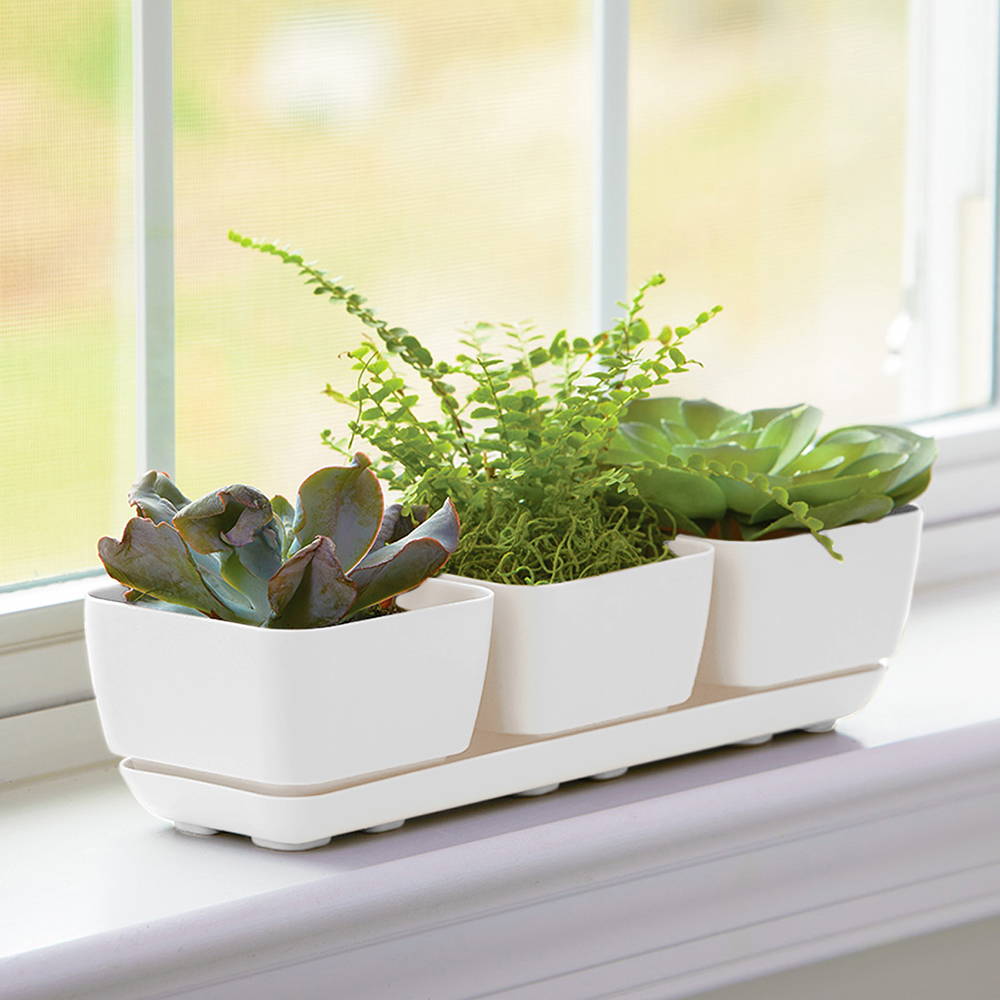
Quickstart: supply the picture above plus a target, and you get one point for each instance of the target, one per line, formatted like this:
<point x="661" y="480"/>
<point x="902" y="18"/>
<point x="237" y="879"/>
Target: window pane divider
<point x="610" y="209"/>
<point x="152" y="69"/>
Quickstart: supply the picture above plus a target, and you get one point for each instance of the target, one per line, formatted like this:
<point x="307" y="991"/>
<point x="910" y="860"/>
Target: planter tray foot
<point x="532" y="793"/>
<point x="385" y="827"/>
<point x="290" y="818"/>
<point x="277" y="845"/>
<point x="754" y="741"/>
<point x="821" y="727"/>
<point x="193" y="830"/>
<point x="615" y="772"/>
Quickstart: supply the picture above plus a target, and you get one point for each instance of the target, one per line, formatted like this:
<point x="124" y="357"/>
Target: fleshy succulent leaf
<point x="741" y="496"/>
<point x="407" y="569"/>
<point x="153" y="560"/>
<point x="902" y="495"/>
<point x="156" y="497"/>
<point x="252" y="586"/>
<point x="442" y="526"/>
<point x="343" y="503"/>
<point x="756" y="459"/>
<point x="655" y="411"/>
<point x="855" y="509"/>
<point x="263" y="555"/>
<point x="235" y="555"/>
<point x="645" y="442"/>
<point x="761" y="418"/>
<point x="703" y="416"/>
<point x="230" y="517"/>
<point x="311" y="589"/>
<point x="396" y="525"/>
<point x="920" y="451"/>
<point x="284" y="511"/>
<point x="406" y="563"/>
<point x="791" y="432"/>
<point x="771" y="474"/>
<point x="151" y="602"/>
<point x="875" y="463"/>
<point x="681" y="492"/>
<point x="285" y="514"/>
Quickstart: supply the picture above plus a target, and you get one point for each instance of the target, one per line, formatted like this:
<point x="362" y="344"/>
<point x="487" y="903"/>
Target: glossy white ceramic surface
<point x="568" y="655"/>
<point x="783" y="610"/>
<point x="291" y="706"/>
<point x="494" y="765"/>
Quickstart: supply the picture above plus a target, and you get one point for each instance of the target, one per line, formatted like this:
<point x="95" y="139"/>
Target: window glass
<point x="436" y="154"/>
<point x="799" y="161"/>
<point x="66" y="305"/>
<point x="769" y="172"/>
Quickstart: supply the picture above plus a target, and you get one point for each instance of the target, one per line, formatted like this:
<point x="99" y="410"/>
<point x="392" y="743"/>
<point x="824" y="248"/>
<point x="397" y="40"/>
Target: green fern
<point x="523" y="422"/>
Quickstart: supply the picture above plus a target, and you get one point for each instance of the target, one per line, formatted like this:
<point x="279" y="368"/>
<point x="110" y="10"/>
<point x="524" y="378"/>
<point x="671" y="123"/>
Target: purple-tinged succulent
<point x="236" y="555"/>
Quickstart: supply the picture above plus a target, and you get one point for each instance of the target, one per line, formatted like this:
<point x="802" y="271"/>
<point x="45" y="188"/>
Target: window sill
<point x="42" y="659"/>
<point x="680" y="877"/>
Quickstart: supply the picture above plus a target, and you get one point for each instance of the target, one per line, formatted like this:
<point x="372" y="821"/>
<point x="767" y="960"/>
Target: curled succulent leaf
<point x="311" y="589"/>
<point x="152" y="559"/>
<point x="285" y="514"/>
<point x="770" y="475"/>
<point x="236" y="518"/>
<point x="397" y="525"/>
<point x="345" y="504"/>
<point x="232" y="516"/>
<point x="401" y="565"/>
<point x="156" y="497"/>
<point x="235" y="555"/>
<point x="682" y="491"/>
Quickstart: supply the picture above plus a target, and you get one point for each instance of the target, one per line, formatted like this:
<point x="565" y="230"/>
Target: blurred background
<point x="438" y="155"/>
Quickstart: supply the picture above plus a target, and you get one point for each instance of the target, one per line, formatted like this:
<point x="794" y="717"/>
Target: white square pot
<point x="291" y="707"/>
<point x="569" y="655"/>
<point x="784" y="611"/>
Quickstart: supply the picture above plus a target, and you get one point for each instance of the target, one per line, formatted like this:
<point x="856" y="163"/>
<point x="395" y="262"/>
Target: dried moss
<point x="517" y="546"/>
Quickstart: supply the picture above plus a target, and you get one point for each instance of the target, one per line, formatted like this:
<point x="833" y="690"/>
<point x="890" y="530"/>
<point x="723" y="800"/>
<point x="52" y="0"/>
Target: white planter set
<point x="481" y="689"/>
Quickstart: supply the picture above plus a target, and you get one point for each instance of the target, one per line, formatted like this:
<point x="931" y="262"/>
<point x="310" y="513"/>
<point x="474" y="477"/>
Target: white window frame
<point x="952" y="163"/>
<point x="42" y="660"/>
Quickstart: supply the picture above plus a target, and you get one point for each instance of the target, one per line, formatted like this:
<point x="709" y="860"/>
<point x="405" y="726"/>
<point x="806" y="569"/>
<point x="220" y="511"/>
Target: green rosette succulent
<point x="236" y="555"/>
<point x="720" y="473"/>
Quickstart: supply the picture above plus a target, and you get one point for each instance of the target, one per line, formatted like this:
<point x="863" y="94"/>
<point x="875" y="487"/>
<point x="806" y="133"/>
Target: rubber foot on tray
<point x="277" y="845"/>
<point x="530" y="793"/>
<point x="608" y="775"/>
<point x="385" y="827"/>
<point x="754" y="741"/>
<point x="821" y="727"/>
<point x="193" y="830"/>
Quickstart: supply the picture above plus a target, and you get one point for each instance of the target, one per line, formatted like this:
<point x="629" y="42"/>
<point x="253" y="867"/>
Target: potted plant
<point x="762" y="491"/>
<point x="280" y="646"/>
<point x="595" y="618"/>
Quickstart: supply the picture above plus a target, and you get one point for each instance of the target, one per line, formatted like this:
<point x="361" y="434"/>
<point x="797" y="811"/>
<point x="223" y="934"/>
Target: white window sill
<point x="680" y="877"/>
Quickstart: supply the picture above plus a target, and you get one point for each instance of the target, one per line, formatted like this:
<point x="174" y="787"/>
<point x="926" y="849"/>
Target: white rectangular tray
<point x="297" y="818"/>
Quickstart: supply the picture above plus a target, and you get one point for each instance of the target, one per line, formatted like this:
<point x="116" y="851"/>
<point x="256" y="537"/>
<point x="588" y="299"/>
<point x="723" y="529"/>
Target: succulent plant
<point x="725" y="474"/>
<point x="236" y="555"/>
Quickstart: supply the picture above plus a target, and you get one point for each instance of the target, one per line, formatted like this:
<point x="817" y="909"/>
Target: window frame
<point x="47" y="620"/>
